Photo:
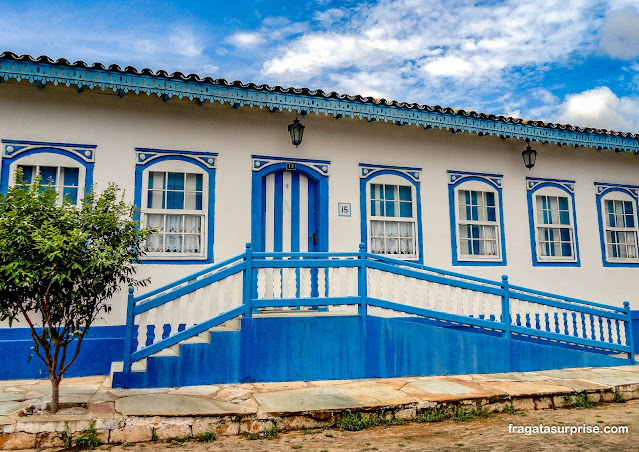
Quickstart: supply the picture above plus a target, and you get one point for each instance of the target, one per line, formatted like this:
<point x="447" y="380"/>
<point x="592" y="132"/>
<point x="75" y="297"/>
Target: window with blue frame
<point x="392" y="219"/>
<point x="64" y="180"/>
<point x="477" y="236"/>
<point x="555" y="234"/>
<point x="553" y="225"/>
<point x="618" y="225"/>
<point x="175" y="208"/>
<point x="621" y="230"/>
<point x="477" y="225"/>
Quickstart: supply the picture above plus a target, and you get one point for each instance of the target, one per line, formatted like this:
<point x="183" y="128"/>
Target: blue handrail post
<point x="128" y="334"/>
<point x="505" y="307"/>
<point x="362" y="292"/>
<point x="629" y="337"/>
<point x="248" y="281"/>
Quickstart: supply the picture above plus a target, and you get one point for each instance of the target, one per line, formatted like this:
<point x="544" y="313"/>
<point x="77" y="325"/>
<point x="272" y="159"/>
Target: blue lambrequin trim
<point x="14" y="150"/>
<point x="146" y="158"/>
<point x="603" y="189"/>
<point x="532" y="185"/>
<point x="165" y="88"/>
<point x="367" y="173"/>
<point x="315" y="170"/>
<point x="456" y="178"/>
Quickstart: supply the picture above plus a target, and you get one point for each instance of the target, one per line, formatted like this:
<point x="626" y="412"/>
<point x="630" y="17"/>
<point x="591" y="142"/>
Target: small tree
<point x="59" y="264"/>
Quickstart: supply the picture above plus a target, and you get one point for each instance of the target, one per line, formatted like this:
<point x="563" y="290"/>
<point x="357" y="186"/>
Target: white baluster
<point x="213" y="300"/>
<point x="305" y="282"/>
<point x="277" y="283"/>
<point x="321" y="280"/>
<point x="268" y="273"/>
<point x="222" y="294"/>
<point x="238" y="290"/>
<point x="261" y="283"/>
<point x="411" y="291"/>
<point x="152" y="321"/>
<point x="143" y="322"/>
<point x="606" y="330"/>
<point x="622" y="331"/>
<point x="436" y="297"/>
<point x="476" y="303"/>
<point x="194" y="312"/>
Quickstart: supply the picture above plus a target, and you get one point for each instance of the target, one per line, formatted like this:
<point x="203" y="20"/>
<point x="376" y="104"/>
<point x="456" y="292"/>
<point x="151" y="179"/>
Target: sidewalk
<point x="135" y="415"/>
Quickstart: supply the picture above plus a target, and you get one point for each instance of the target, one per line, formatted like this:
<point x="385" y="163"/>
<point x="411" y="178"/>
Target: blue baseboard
<point x="101" y="346"/>
<point x="323" y="348"/>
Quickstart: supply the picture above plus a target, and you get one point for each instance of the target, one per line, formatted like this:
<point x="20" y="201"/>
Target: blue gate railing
<point x="362" y="283"/>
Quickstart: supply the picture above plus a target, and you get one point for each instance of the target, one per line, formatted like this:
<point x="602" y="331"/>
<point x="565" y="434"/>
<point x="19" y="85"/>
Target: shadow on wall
<point x="101" y="346"/>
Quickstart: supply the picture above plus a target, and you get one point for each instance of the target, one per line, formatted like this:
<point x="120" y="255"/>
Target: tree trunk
<point x="55" y="393"/>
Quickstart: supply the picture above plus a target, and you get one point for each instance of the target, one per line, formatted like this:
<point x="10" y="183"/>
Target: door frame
<point x="314" y="170"/>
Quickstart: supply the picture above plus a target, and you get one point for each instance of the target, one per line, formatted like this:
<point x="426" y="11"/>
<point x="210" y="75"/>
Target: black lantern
<point x="529" y="155"/>
<point x="296" y="130"/>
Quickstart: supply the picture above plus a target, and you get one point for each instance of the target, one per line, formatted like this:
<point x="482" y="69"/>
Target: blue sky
<point x="567" y="61"/>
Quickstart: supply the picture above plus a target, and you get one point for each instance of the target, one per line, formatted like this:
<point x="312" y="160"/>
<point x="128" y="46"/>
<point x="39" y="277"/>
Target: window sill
<point x="176" y="260"/>
<point x="621" y="263"/>
<point x="475" y="262"/>
<point x="556" y="263"/>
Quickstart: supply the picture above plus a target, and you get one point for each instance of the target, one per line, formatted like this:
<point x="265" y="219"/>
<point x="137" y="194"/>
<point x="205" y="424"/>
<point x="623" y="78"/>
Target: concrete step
<point x="173" y="350"/>
<point x="118" y="366"/>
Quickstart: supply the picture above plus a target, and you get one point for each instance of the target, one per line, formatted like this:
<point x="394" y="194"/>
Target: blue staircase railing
<point x="361" y="284"/>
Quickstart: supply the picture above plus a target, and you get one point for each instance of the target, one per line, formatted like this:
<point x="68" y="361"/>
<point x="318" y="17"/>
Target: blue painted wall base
<point x="319" y="348"/>
<point x="101" y="346"/>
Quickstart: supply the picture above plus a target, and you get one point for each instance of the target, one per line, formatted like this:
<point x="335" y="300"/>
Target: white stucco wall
<point x="118" y="125"/>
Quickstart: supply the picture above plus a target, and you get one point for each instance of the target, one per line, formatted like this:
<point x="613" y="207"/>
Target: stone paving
<point x="134" y="415"/>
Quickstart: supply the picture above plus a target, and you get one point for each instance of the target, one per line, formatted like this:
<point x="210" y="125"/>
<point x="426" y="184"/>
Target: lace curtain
<point x="490" y="242"/>
<point x="192" y="228"/>
<point x="154" y="242"/>
<point x="177" y="233"/>
<point x="631" y="240"/>
<point x="392" y="237"/>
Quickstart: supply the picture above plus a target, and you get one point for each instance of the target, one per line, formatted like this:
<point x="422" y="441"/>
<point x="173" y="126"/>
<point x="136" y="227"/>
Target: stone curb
<point x="25" y="432"/>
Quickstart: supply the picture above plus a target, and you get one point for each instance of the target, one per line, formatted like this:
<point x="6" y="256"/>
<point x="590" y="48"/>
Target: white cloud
<point x="330" y="16"/>
<point x="601" y="108"/>
<point x="620" y="33"/>
<point x="185" y="43"/>
<point x="208" y="70"/>
<point x="455" y="47"/>
<point x="246" y="39"/>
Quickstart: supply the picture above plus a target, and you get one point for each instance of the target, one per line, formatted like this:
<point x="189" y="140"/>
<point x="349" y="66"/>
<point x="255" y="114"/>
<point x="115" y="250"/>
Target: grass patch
<point x="460" y="414"/>
<point x="358" y="421"/>
<point x="207" y="437"/>
<point x="252" y="436"/>
<point x="328" y="435"/>
<point x="394" y="421"/>
<point x="178" y="439"/>
<point x="271" y="432"/>
<point x="87" y="438"/>
<point x="510" y="409"/>
<point x="618" y="397"/>
<point x="456" y="414"/>
<point x="579" y="401"/>
<point x="435" y="415"/>
<point x="296" y="446"/>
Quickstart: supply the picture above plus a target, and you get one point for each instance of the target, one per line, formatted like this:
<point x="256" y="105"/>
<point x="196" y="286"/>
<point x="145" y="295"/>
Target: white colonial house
<point x="440" y="199"/>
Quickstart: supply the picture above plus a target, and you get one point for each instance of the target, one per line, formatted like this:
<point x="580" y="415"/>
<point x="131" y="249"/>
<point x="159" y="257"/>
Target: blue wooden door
<point x="290" y="211"/>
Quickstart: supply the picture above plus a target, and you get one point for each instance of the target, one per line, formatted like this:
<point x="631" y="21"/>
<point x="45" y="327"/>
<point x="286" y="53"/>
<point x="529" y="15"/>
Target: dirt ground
<point x="475" y="435"/>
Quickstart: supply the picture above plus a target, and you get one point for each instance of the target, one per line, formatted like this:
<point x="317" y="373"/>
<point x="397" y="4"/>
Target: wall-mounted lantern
<point x="529" y="155"/>
<point x="297" y="131"/>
